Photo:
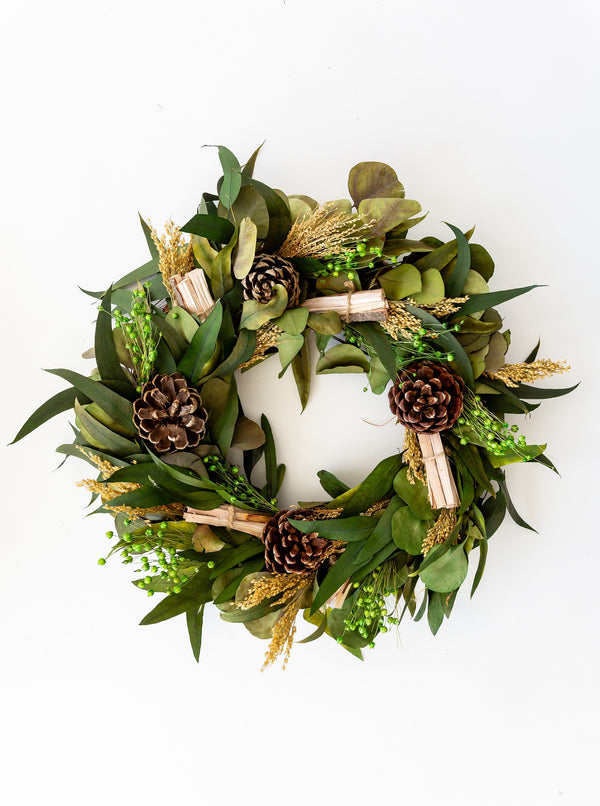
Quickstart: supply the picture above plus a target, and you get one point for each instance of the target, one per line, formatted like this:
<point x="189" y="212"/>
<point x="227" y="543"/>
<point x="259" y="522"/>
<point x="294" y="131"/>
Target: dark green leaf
<point x="512" y="509"/>
<point x="379" y="345"/>
<point x="101" y="436"/>
<point x="248" y="168"/>
<point x="415" y="495"/>
<point x="301" y="370"/>
<point x="62" y="401"/>
<point x="533" y="354"/>
<point x="107" y="359"/>
<point x="213" y="227"/>
<point x="351" y="529"/>
<point x="381" y="536"/>
<point x="480" y="302"/>
<point x="196" y="358"/>
<point x="483" y="550"/>
<point x="338" y="574"/>
<point x="332" y="485"/>
<point x="194" y="618"/>
<point x="223" y="429"/>
<point x="435" y="611"/>
<point x="176" y="343"/>
<point x="116" y="407"/>
<point x="279" y="216"/>
<point x="455" y="281"/>
<point x="408" y="531"/>
<point x="534" y="393"/>
<point x="232" y="176"/>
<point x="375" y="487"/>
<point x="271" y="487"/>
<point x="447" y="571"/>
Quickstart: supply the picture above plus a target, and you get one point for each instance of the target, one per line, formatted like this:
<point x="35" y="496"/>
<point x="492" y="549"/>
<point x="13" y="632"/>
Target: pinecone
<point x="427" y="397"/>
<point x="169" y="414"/>
<point x="288" y="551"/>
<point x="266" y="271"/>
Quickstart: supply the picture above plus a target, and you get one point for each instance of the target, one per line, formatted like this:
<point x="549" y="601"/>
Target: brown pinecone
<point x="427" y="397"/>
<point x="169" y="414"/>
<point x="267" y="271"/>
<point x="288" y="551"/>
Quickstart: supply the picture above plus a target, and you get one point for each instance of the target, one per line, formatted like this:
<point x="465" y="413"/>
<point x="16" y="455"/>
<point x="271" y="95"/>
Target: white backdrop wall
<point x="489" y="113"/>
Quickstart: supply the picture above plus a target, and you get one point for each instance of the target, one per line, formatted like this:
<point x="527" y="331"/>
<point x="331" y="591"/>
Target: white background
<point x="489" y="114"/>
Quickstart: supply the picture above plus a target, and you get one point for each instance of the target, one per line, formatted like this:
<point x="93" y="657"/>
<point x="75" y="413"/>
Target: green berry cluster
<point x="240" y="492"/>
<point x="351" y="260"/>
<point x="370" y="616"/>
<point x="156" y="555"/>
<point x="139" y="334"/>
<point x="499" y="437"/>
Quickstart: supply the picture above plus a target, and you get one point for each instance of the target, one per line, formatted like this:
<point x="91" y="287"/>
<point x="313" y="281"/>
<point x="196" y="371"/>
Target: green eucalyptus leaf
<point x="194" y="619"/>
<point x="212" y="227"/>
<point x="442" y="256"/>
<point x="196" y="360"/>
<point x="327" y="324"/>
<point x="246" y="248"/>
<point x="247" y="435"/>
<point x="279" y="216"/>
<point x="101" y="436"/>
<point x="446" y="573"/>
<point x="255" y="314"/>
<point x="350" y="529"/>
<point x="401" y="282"/>
<point x="481" y="261"/>
<point x="369" y="180"/>
<point x="432" y="289"/>
<point x="62" y="401"/>
<point x="301" y="370"/>
<point x="293" y="320"/>
<point x="342" y="358"/>
<point x="107" y="360"/>
<point x="375" y="487"/>
<point x="378" y="376"/>
<point x="288" y="347"/>
<point x="221" y="280"/>
<point x="408" y="531"/>
<point x="331" y="484"/>
<point x="116" y="407"/>
<point x="232" y="177"/>
<point x="204" y="254"/>
<point x="478" y="302"/>
<point x="457" y="279"/>
<point x="415" y="495"/>
<point x="183" y="322"/>
<point x="387" y="213"/>
<point x="223" y="429"/>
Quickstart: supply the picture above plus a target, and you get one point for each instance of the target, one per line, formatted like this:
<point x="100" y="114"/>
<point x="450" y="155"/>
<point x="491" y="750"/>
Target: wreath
<point x="256" y="273"/>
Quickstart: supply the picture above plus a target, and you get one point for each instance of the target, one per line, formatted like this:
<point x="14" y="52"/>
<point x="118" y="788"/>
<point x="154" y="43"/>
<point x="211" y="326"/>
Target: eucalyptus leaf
<point x="62" y="401"/>
<point x="117" y="408"/>
<point x="293" y="321"/>
<point x="415" y="495"/>
<point x="212" y="227"/>
<point x="385" y="214"/>
<point x="246" y="248"/>
<point x="255" y="314"/>
<point x="401" y="282"/>
<point x="448" y="572"/>
<point x="432" y="288"/>
<point x="369" y="180"/>
<point x="408" y="531"/>
<point x="342" y="358"/>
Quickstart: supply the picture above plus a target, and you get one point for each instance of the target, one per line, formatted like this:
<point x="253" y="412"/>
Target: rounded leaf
<point x="368" y="180"/>
<point x="433" y="288"/>
<point x="408" y="531"/>
<point x="415" y="495"/>
<point x="448" y="573"/>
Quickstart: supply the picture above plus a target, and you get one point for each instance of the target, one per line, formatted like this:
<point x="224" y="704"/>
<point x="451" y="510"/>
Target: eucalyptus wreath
<point x="256" y="273"/>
